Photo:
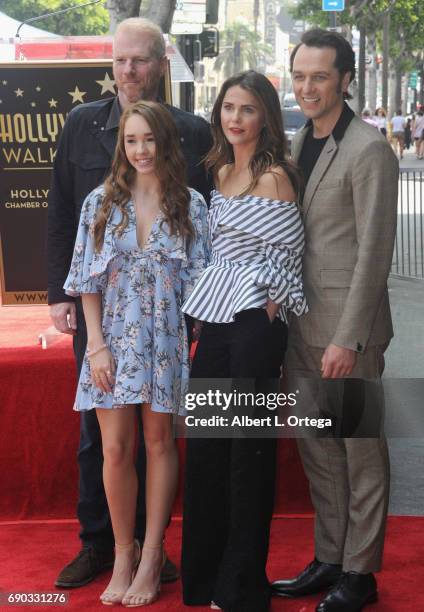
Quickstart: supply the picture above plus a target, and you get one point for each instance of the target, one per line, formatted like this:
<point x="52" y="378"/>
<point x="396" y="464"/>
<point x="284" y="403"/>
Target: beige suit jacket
<point x="350" y="211"/>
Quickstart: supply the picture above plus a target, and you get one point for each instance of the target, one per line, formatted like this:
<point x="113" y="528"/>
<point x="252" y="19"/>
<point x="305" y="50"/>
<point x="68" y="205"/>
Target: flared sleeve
<point x="199" y="251"/>
<point x="87" y="273"/>
<point x="281" y="272"/>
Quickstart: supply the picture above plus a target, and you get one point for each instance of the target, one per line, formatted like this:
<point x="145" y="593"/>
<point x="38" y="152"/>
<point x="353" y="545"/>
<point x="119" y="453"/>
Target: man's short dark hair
<point x="317" y="37"/>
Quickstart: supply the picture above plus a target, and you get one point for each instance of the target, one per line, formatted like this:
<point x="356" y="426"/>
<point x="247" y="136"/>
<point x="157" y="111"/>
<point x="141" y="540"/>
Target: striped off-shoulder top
<point x="256" y="253"/>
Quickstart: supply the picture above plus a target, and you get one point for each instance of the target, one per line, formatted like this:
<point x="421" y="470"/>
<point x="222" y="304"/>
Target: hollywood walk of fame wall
<point x="35" y="99"/>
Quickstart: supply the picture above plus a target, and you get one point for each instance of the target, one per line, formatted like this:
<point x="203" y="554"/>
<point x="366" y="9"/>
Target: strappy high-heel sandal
<point x="145" y="598"/>
<point x="110" y="597"/>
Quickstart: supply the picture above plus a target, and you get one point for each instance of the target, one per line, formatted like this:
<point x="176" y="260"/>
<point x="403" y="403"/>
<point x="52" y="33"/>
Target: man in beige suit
<point x="349" y="209"/>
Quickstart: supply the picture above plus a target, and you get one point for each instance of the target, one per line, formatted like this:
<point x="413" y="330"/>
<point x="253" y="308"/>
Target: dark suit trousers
<point x="92" y="510"/>
<point x="229" y="483"/>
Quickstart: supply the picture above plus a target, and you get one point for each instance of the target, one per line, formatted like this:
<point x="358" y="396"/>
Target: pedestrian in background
<point x="398" y="124"/>
<point x="418" y="134"/>
<point x="381" y="119"/>
<point x="408" y="133"/>
<point x="366" y="116"/>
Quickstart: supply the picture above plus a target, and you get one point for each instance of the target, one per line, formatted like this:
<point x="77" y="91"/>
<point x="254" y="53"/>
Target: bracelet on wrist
<point x="91" y="352"/>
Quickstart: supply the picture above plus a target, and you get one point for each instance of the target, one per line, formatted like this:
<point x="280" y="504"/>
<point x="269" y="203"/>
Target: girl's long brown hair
<point x="271" y="149"/>
<point x="170" y="168"/>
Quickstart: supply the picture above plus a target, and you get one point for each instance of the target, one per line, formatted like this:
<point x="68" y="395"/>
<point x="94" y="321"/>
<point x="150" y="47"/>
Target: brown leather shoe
<point x="84" y="568"/>
<point x="169" y="571"/>
<point x="90" y="562"/>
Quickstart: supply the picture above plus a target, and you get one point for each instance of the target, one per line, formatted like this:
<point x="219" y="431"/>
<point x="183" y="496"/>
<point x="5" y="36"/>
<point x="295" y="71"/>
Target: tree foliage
<point x="253" y="52"/>
<point x="406" y="27"/>
<point x="407" y="20"/>
<point x="88" y="20"/>
<point x="407" y="32"/>
<point x="160" y="12"/>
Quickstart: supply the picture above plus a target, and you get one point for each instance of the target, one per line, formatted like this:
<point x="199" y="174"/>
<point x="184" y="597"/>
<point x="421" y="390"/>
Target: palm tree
<point x="242" y="48"/>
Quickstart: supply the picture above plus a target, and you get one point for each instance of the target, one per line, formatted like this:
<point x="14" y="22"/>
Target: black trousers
<point x="229" y="483"/>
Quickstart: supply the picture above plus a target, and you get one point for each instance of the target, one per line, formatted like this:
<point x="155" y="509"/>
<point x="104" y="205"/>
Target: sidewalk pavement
<point x="404" y="357"/>
<point x="404" y="383"/>
<point x="410" y="160"/>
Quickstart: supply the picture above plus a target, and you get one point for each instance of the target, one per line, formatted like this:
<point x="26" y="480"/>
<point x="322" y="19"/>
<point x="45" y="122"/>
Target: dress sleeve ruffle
<point x="199" y="252"/>
<point x="88" y="271"/>
<point x="279" y="274"/>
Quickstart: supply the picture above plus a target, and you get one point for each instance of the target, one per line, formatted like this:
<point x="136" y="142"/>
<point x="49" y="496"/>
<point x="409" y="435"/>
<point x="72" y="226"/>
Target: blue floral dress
<point x="142" y="292"/>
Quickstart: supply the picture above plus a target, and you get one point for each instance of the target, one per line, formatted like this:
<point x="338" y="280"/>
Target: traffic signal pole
<point x="186" y="47"/>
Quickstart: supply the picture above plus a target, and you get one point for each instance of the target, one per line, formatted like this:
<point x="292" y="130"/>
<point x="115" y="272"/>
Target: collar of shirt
<point x="342" y="123"/>
<point x="114" y="117"/>
<point x="115" y="113"/>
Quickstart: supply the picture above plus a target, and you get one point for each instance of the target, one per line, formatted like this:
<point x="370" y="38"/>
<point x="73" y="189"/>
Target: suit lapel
<point x="324" y="160"/>
<point x="297" y="144"/>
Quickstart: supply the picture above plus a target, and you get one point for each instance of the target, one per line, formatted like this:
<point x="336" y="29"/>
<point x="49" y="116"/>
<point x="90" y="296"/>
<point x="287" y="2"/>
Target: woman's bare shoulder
<point x="222" y="175"/>
<point x="275" y="184"/>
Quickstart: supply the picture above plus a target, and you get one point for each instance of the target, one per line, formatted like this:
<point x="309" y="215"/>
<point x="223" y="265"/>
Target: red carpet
<point x="21" y="325"/>
<point x="39" y="429"/>
<point x="38" y="443"/>
<point x="32" y="554"/>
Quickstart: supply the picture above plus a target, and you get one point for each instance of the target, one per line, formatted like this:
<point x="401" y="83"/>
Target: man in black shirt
<point x="349" y="210"/>
<point x="82" y="162"/>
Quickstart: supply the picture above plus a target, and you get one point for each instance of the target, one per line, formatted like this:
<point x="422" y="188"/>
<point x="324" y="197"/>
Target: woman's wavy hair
<point x="271" y="149"/>
<point x="170" y="168"/>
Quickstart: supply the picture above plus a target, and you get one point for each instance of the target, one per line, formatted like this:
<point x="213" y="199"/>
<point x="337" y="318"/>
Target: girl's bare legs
<point x="120" y="481"/>
<point x="161" y="485"/>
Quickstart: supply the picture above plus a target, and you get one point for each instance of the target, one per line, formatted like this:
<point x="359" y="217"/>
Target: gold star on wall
<point x="77" y="95"/>
<point x="107" y="84"/>
<point x="4" y="82"/>
<point x="19" y="92"/>
<point x="38" y="88"/>
<point x="33" y="104"/>
<point x="52" y="103"/>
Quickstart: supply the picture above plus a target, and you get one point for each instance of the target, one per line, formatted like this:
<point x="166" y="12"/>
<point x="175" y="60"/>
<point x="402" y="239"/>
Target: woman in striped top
<point x="242" y="299"/>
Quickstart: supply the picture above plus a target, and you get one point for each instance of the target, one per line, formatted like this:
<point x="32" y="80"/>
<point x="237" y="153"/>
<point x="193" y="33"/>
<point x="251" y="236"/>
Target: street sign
<point x="333" y="5"/>
<point x="189" y="17"/>
<point x="209" y="39"/>
<point x="413" y="77"/>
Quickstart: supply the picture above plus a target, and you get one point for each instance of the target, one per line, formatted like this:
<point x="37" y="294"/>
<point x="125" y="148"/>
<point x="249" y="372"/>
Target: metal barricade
<point x="408" y="260"/>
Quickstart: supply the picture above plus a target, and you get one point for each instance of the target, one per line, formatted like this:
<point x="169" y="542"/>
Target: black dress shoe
<point x="351" y="594"/>
<point x="85" y="567"/>
<point x="316" y="577"/>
